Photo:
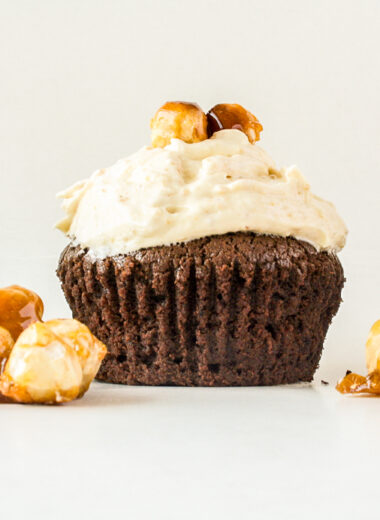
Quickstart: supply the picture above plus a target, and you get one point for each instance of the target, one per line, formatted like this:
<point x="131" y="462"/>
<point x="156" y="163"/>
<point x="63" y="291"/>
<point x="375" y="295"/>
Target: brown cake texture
<point x="238" y="309"/>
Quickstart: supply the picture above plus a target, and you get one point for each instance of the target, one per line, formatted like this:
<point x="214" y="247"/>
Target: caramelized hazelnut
<point x="179" y="120"/>
<point x="52" y="362"/>
<point x="6" y="345"/>
<point x="19" y="307"/>
<point x="233" y="116"/>
<point x="373" y="348"/>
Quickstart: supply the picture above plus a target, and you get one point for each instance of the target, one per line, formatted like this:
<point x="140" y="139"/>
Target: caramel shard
<point x="356" y="384"/>
<point x="178" y="120"/>
<point x="233" y="116"/>
<point x="350" y="383"/>
<point x="52" y="362"/>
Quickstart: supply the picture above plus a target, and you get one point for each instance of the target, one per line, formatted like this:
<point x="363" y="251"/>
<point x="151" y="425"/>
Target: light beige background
<point x="81" y="79"/>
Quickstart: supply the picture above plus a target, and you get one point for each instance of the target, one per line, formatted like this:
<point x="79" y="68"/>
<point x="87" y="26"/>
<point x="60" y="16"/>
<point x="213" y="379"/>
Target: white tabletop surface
<point x="170" y="453"/>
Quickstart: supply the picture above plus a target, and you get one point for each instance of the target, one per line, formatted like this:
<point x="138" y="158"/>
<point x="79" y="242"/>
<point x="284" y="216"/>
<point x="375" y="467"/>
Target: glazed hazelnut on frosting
<point x="178" y="120"/>
<point x="203" y="176"/>
<point x="52" y="362"/>
<point x="233" y="116"/>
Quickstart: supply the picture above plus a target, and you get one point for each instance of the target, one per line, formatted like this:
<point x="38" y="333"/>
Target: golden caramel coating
<point x="356" y="384"/>
<point x="373" y="348"/>
<point x="6" y="345"/>
<point x="52" y="362"/>
<point x="19" y="307"/>
<point x="233" y="116"/>
<point x="179" y="120"/>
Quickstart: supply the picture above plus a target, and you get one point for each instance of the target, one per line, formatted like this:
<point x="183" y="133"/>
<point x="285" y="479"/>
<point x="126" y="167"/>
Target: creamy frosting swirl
<point x="161" y="196"/>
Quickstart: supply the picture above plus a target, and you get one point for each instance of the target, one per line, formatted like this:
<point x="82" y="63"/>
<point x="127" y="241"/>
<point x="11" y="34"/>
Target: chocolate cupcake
<point x="198" y="262"/>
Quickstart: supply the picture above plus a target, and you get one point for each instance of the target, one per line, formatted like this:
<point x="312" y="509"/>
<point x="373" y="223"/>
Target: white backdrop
<point x="81" y="79"/>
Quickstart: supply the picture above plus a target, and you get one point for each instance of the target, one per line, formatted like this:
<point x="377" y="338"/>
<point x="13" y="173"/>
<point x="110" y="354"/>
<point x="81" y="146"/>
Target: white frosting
<point x="160" y="196"/>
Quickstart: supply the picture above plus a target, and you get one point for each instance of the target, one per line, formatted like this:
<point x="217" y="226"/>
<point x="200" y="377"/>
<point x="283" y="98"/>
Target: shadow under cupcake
<point x="197" y="262"/>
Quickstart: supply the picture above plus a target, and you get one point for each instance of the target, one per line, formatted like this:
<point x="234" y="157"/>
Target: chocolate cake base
<point x="235" y="309"/>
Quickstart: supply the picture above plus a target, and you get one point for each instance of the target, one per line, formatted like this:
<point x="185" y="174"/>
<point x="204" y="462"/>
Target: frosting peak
<point x="160" y="196"/>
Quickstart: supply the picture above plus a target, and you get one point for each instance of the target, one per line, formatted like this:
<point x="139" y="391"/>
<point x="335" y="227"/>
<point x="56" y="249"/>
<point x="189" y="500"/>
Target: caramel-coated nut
<point x="233" y="116"/>
<point x="373" y="348"/>
<point x="19" y="307"/>
<point x="179" y="120"/>
<point x="6" y="345"/>
<point x="52" y="362"/>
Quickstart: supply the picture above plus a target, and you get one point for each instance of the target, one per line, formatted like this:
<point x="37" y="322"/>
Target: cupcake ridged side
<point x="235" y="309"/>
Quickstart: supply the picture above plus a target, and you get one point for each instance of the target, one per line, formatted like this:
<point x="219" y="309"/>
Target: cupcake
<point x="198" y="262"/>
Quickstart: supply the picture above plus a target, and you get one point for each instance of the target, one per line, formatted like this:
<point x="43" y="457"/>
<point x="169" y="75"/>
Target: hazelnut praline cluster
<point x="188" y="122"/>
<point x="43" y="362"/>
